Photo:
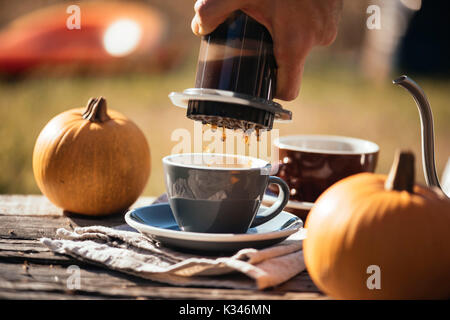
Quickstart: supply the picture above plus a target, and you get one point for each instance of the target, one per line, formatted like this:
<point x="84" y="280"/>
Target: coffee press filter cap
<point x="259" y="112"/>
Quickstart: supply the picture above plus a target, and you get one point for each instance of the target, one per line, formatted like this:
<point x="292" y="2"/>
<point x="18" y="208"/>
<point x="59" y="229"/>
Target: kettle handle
<point x="426" y="121"/>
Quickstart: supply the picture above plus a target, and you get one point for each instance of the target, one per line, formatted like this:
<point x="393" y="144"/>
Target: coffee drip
<point x="257" y="144"/>
<point x="246" y="134"/>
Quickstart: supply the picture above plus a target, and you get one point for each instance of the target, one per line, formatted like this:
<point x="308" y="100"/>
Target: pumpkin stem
<point x="401" y="176"/>
<point x="96" y="110"/>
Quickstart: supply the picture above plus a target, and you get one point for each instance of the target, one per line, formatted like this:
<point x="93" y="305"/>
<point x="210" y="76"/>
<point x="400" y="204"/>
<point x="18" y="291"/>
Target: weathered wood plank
<point x="38" y="205"/>
<point x="45" y="295"/>
<point x="27" y="204"/>
<point x="104" y="283"/>
<point x="300" y="283"/>
<point x="205" y="294"/>
<point x="20" y="250"/>
<point x="34" y="227"/>
<point x="32" y="217"/>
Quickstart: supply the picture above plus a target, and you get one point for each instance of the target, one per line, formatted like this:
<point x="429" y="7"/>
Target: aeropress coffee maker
<point x="236" y="78"/>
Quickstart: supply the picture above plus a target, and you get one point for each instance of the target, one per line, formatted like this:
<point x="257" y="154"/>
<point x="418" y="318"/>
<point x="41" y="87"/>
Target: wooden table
<point x="28" y="270"/>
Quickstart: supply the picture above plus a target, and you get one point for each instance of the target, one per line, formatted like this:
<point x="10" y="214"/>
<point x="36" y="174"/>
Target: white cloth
<point x="133" y="253"/>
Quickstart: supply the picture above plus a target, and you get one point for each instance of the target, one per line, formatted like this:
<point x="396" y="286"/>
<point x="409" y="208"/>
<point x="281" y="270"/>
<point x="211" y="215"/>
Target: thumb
<point x="210" y="13"/>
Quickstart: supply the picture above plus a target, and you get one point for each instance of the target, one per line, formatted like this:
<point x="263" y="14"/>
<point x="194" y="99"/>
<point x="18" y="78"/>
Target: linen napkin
<point x="131" y="252"/>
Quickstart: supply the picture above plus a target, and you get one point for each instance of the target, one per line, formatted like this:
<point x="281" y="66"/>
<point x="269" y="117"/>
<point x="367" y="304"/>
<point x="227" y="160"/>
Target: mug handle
<point x="277" y="206"/>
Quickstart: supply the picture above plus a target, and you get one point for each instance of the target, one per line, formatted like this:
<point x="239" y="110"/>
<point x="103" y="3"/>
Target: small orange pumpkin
<point x="93" y="161"/>
<point x="377" y="237"/>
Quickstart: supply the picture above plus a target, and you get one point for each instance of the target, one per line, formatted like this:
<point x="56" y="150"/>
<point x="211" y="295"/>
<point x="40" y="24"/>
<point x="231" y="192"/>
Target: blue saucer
<point x="157" y="222"/>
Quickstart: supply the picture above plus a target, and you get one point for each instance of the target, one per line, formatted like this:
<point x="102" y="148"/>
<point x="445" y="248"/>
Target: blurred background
<point x="135" y="53"/>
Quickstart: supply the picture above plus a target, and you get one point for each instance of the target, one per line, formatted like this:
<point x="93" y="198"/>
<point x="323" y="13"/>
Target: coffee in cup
<point x="219" y="193"/>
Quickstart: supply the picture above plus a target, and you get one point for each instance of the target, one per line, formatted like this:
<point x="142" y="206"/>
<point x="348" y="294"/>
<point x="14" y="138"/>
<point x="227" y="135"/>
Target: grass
<point x="332" y="101"/>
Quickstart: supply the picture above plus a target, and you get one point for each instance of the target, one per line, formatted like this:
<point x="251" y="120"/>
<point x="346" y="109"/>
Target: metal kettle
<point x="426" y="121"/>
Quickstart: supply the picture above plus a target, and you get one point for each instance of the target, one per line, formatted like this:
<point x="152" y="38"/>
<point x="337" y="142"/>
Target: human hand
<point x="296" y="27"/>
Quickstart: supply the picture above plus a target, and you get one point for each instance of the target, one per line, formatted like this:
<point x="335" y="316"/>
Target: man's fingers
<point x="195" y="26"/>
<point x="288" y="82"/>
<point x="210" y="13"/>
<point x="291" y="60"/>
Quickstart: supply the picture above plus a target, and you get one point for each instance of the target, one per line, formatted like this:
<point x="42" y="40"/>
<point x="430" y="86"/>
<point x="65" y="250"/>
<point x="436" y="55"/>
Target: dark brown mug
<point x="311" y="163"/>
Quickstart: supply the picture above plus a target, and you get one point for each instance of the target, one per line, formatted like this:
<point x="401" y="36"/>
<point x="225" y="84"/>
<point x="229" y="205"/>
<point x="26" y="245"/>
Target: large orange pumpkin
<point x="377" y="237"/>
<point x="93" y="161"/>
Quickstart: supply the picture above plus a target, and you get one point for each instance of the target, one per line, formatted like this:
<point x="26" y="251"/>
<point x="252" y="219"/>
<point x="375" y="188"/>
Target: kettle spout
<point x="426" y="121"/>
